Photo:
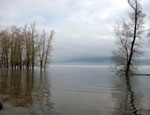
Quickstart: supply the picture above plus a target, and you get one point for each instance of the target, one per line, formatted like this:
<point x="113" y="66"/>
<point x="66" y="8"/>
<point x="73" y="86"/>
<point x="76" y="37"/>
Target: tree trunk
<point x="133" y="42"/>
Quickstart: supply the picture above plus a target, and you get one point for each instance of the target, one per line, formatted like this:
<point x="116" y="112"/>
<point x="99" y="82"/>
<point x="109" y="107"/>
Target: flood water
<point x="74" y="90"/>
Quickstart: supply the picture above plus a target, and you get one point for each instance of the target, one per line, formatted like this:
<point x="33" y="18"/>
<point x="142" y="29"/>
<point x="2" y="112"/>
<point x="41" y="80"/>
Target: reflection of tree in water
<point x="43" y="95"/>
<point x="131" y="96"/>
<point x="25" y="88"/>
<point x="125" y="98"/>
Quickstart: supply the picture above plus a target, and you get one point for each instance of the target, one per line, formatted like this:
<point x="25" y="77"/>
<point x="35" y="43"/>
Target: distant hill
<point x="95" y="60"/>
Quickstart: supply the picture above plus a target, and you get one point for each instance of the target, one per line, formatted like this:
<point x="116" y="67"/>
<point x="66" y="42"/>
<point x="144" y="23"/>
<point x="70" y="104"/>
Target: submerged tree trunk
<point x="19" y="47"/>
<point x="48" y="48"/>
<point x="33" y="44"/>
<point x="128" y="33"/>
<point x="134" y="39"/>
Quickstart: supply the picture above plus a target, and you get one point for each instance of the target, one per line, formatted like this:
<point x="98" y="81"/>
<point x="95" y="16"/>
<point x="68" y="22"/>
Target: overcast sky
<point x="84" y="28"/>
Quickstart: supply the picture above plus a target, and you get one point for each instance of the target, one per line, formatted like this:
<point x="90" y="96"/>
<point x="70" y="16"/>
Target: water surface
<point x="74" y="90"/>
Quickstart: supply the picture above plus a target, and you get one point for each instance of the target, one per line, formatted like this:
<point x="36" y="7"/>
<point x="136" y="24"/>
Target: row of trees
<point x="128" y="34"/>
<point x="24" y="47"/>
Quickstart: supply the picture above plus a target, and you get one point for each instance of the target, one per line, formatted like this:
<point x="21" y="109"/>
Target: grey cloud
<point x="83" y="27"/>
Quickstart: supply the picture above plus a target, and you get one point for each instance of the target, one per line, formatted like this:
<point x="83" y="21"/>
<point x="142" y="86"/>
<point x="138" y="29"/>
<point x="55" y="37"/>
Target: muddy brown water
<point x="74" y="90"/>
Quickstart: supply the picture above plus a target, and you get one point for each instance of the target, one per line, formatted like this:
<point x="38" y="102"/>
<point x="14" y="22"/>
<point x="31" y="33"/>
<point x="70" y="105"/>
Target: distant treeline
<point x="24" y="47"/>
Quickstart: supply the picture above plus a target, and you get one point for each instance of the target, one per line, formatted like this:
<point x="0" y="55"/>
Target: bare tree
<point x="33" y="35"/>
<point x="48" y="48"/>
<point x="27" y="46"/>
<point x="5" y="44"/>
<point x="42" y="48"/>
<point x="20" y="47"/>
<point x="129" y="33"/>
